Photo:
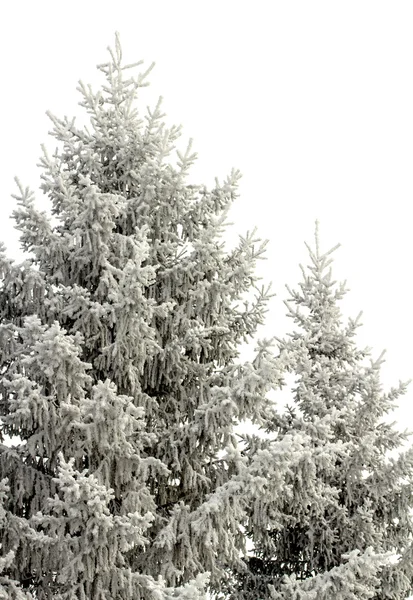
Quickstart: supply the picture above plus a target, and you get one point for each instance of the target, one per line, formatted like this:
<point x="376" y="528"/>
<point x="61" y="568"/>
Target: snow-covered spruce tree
<point x="348" y="501"/>
<point x="119" y="344"/>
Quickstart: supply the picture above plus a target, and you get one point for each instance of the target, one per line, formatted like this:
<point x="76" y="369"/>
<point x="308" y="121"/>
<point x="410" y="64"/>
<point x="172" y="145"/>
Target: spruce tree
<point x="342" y="528"/>
<point x="120" y="371"/>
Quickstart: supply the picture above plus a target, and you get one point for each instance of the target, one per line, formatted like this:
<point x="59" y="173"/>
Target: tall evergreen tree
<point x="120" y="376"/>
<point x="347" y="502"/>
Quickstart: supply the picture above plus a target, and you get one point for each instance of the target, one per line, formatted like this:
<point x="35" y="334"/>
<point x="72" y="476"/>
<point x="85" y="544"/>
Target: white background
<point x="312" y="101"/>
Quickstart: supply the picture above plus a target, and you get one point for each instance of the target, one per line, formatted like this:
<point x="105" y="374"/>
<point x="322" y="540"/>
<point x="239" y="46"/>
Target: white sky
<point x="312" y="101"/>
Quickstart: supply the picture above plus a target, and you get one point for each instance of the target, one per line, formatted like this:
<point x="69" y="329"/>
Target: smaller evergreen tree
<point x="347" y="500"/>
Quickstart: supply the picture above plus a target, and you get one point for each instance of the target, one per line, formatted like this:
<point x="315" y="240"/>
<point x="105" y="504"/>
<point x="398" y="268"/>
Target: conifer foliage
<point x="346" y="504"/>
<point x="121" y="388"/>
<point x="119" y="339"/>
